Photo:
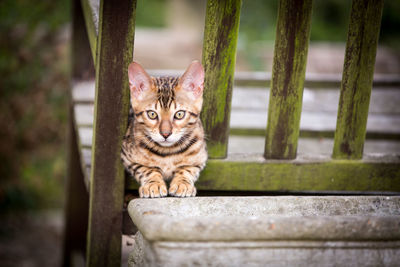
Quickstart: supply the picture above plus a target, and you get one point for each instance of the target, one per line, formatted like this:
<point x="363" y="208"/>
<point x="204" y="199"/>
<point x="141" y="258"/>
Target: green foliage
<point x="151" y="13"/>
<point x="34" y="69"/>
<point x="258" y="19"/>
<point x="329" y="23"/>
<point x="390" y="25"/>
<point x="330" y="20"/>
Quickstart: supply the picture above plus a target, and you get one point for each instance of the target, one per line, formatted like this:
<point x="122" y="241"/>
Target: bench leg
<point x="77" y="202"/>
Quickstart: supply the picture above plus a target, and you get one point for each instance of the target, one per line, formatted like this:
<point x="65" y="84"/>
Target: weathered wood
<point x="84" y="115"/>
<point x="313" y="80"/>
<point x="77" y="202"/>
<point x="249" y="112"/>
<point x="82" y="62"/>
<point x="114" y="53"/>
<point x="83" y="92"/>
<point x="324" y="102"/>
<point x="250" y="172"/>
<point x="219" y="56"/>
<point x="85" y="137"/>
<point x="306" y="146"/>
<point x="310" y="133"/>
<point x="91" y="14"/>
<point x="288" y="72"/>
<point x="310" y="175"/>
<point x="358" y="71"/>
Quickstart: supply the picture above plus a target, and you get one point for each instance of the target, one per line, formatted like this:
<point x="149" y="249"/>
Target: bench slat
<point x="91" y="14"/>
<point x="288" y="74"/>
<point x="251" y="172"/>
<point x="219" y="57"/>
<point x="358" y="71"/>
<point x="114" y="54"/>
<point x="312" y="80"/>
<point x="311" y="172"/>
<point x="318" y="115"/>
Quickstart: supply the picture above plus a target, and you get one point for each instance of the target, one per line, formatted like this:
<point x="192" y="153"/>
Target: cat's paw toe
<point x="182" y="190"/>
<point x="153" y="190"/>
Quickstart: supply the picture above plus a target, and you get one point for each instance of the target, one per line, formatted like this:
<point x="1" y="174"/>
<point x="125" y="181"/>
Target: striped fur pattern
<point x="164" y="142"/>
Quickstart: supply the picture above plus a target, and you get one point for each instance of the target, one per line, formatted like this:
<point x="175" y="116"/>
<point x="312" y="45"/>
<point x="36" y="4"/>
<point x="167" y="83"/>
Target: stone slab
<point x="273" y="231"/>
<point x="283" y="253"/>
<point x="268" y="218"/>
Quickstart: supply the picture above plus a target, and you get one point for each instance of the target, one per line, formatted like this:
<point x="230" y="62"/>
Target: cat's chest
<point x="168" y="164"/>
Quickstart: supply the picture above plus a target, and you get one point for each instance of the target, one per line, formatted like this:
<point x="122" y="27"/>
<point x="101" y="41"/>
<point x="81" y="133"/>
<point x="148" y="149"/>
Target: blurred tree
<point x="33" y="89"/>
<point x="151" y="13"/>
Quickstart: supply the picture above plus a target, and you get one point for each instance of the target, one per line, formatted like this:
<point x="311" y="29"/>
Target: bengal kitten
<point x="165" y="138"/>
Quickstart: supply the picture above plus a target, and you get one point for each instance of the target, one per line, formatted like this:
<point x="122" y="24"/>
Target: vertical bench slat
<point x="288" y="74"/>
<point x="77" y="200"/>
<point x="91" y="24"/>
<point x="219" y="56"/>
<point x="114" y="53"/>
<point x="358" y="71"/>
<point x="82" y="59"/>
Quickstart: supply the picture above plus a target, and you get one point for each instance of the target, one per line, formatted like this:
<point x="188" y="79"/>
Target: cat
<point x="164" y="141"/>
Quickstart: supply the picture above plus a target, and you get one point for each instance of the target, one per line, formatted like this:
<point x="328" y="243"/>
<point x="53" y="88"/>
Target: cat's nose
<point x="165" y="134"/>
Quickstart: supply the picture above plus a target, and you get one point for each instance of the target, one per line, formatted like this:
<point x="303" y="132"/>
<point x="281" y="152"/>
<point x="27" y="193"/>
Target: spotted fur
<point x="166" y="149"/>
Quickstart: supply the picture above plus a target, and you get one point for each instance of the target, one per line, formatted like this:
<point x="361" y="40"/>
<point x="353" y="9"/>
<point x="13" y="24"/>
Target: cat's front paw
<point x="182" y="189"/>
<point x="153" y="189"/>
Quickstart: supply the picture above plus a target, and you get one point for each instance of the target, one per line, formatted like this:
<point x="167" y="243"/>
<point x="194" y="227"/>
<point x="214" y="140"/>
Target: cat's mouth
<point x="161" y="141"/>
<point x="166" y="143"/>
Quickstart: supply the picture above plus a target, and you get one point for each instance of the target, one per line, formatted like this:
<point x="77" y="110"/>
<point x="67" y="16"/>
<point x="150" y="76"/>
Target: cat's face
<point x="167" y="108"/>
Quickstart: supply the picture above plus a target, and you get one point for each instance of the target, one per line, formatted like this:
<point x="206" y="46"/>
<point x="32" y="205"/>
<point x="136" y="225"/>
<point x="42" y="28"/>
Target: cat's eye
<point x="179" y="115"/>
<point x="152" y="114"/>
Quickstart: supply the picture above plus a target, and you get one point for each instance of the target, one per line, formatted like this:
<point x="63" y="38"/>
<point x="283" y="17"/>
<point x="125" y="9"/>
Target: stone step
<point x="256" y="231"/>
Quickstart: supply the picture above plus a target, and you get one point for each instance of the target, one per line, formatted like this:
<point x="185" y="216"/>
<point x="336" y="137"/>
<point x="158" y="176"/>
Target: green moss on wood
<point x="219" y="55"/>
<point x="286" y="176"/>
<point x="249" y="173"/>
<point x="215" y="148"/>
<point x="288" y="74"/>
<point x="313" y="133"/>
<point x="358" y="71"/>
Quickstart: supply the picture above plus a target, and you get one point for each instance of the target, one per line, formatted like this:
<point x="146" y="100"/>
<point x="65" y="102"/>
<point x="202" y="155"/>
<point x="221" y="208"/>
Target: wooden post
<point x="358" y="72"/>
<point x="114" y="53"/>
<point x="82" y="60"/>
<point x="288" y="74"/>
<point x="77" y="199"/>
<point x="91" y="14"/>
<point x="219" y="56"/>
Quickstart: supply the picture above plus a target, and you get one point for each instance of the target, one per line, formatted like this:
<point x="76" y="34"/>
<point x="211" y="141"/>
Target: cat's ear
<point x="192" y="81"/>
<point x="139" y="80"/>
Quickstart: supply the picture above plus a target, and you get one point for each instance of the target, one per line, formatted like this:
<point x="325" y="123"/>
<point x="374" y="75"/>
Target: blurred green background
<point x="34" y="71"/>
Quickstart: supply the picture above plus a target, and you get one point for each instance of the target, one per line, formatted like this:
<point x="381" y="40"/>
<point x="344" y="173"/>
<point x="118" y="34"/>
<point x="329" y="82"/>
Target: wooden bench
<point x="102" y="51"/>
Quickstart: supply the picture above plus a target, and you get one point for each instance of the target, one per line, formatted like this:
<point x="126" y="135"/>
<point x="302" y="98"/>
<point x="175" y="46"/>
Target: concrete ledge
<point x="268" y="218"/>
<point x="282" y="253"/>
<point x="253" y="231"/>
